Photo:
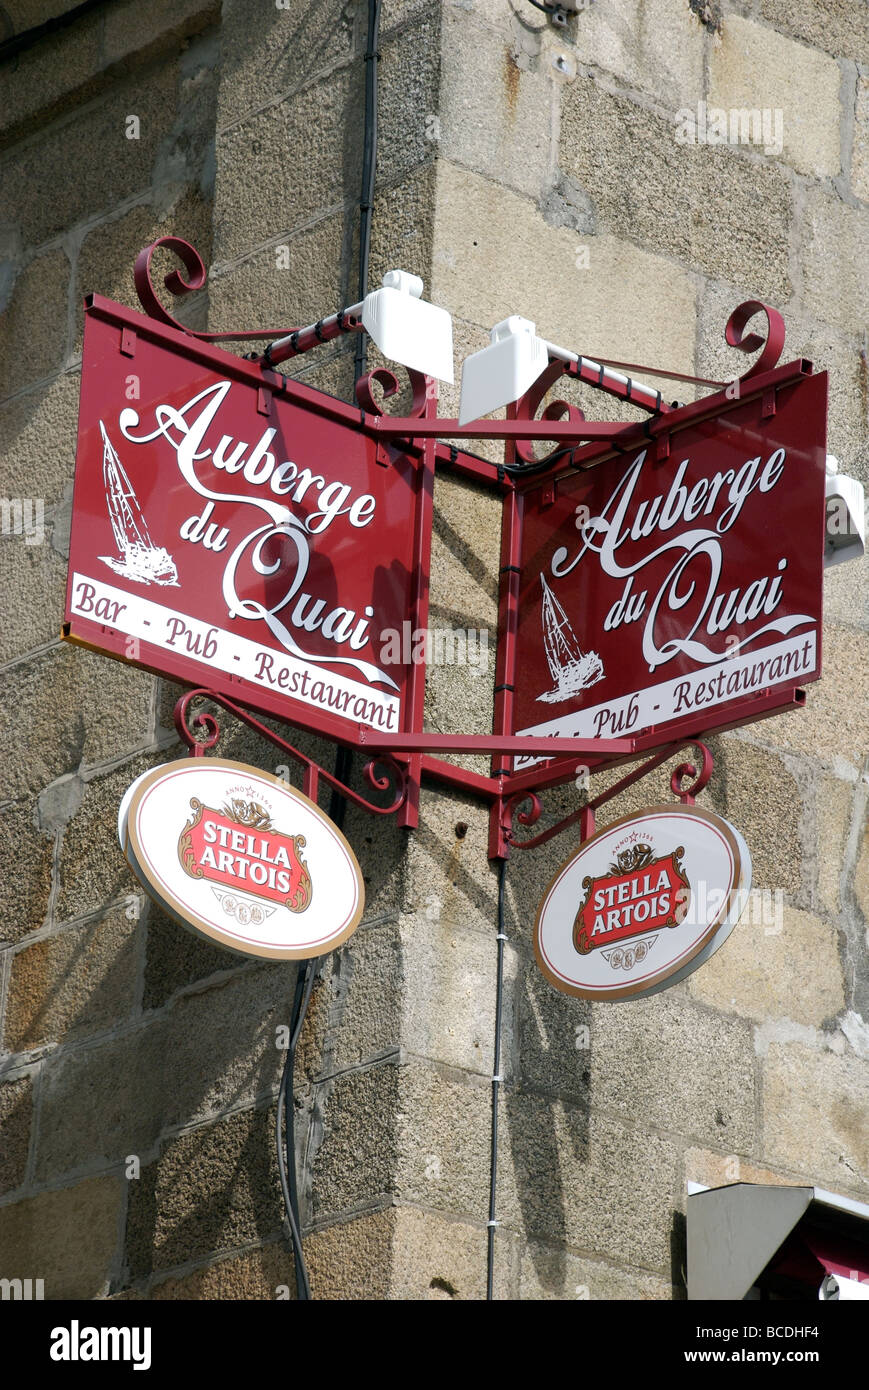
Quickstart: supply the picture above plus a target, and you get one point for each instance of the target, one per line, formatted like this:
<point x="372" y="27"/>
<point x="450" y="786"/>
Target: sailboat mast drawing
<point x="138" y="557"/>
<point x="572" y="670"/>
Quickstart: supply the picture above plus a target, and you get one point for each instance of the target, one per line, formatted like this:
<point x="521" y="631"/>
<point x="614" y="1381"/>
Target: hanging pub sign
<point x="666" y="590"/>
<point x="241" y="531"/>
<point x="242" y="858"/>
<point x="642" y="904"/>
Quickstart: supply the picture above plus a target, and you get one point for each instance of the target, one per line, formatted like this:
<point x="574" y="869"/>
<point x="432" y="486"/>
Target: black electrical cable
<point x="520" y="470"/>
<point x="338" y="803"/>
<point x="286" y="1142"/>
<point x="496" y="1083"/>
<point x="369" y="166"/>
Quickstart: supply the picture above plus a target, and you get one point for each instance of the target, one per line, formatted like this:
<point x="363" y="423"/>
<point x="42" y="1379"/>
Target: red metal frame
<point x="578" y="444"/>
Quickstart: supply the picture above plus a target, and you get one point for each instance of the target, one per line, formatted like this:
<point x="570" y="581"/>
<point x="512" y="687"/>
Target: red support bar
<point x="511" y="804"/>
<point x="568" y="432"/>
<point x="303" y="339"/>
<point x="311" y="782"/>
<point x="493" y="743"/>
<point x="508" y="621"/>
<point x="392" y="770"/>
<point x="477" y="469"/>
<point x="408" y="814"/>
<point x="599" y="375"/>
<point x="639" y="436"/>
<point x="558" y="771"/>
<point x="461" y="777"/>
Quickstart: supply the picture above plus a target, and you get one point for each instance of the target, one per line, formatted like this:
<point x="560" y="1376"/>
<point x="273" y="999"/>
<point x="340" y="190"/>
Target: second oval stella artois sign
<point x="642" y="904"/>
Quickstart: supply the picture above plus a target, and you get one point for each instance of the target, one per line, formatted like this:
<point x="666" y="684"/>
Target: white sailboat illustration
<point x="138" y="557"/>
<point x="572" y="670"/>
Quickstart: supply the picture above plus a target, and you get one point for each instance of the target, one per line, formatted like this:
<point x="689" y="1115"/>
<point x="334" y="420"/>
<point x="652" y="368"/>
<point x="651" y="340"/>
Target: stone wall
<point x="520" y="170"/>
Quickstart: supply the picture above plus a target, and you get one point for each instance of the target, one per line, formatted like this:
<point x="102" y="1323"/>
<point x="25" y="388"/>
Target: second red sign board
<point x="658" y="596"/>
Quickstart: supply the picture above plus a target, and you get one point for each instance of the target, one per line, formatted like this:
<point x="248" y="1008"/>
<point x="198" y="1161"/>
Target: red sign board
<point x="246" y="536"/>
<point x="659" y="595"/>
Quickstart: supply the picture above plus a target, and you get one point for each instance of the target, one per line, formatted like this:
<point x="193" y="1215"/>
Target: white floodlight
<point x="408" y="329"/>
<point x="405" y="328"/>
<point x="845" y="531"/>
<point x="515" y="358"/>
<point x="503" y="371"/>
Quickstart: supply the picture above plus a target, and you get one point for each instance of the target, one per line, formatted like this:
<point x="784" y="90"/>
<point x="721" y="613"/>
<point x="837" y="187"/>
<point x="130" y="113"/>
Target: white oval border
<point x="126" y="799"/>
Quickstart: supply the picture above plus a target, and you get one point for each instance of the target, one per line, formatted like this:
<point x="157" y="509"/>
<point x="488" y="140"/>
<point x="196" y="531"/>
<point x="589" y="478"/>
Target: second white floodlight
<point x="515" y="358"/>
<point x="845" y="532"/>
<point x="503" y="371"/>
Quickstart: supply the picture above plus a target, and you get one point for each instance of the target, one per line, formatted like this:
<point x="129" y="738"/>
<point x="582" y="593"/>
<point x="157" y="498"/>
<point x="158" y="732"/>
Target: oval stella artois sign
<point x="242" y="858"/>
<point x="642" y="904"/>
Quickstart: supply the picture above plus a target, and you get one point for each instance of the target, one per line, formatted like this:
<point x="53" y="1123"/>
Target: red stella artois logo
<point x="640" y="894"/>
<point x="238" y="847"/>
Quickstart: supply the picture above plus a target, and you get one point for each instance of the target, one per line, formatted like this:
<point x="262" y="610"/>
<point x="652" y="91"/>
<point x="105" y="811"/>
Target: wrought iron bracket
<point x="560" y="422"/>
<point x="313" y="773"/>
<point x="584" y="816"/>
<point x="501" y="792"/>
